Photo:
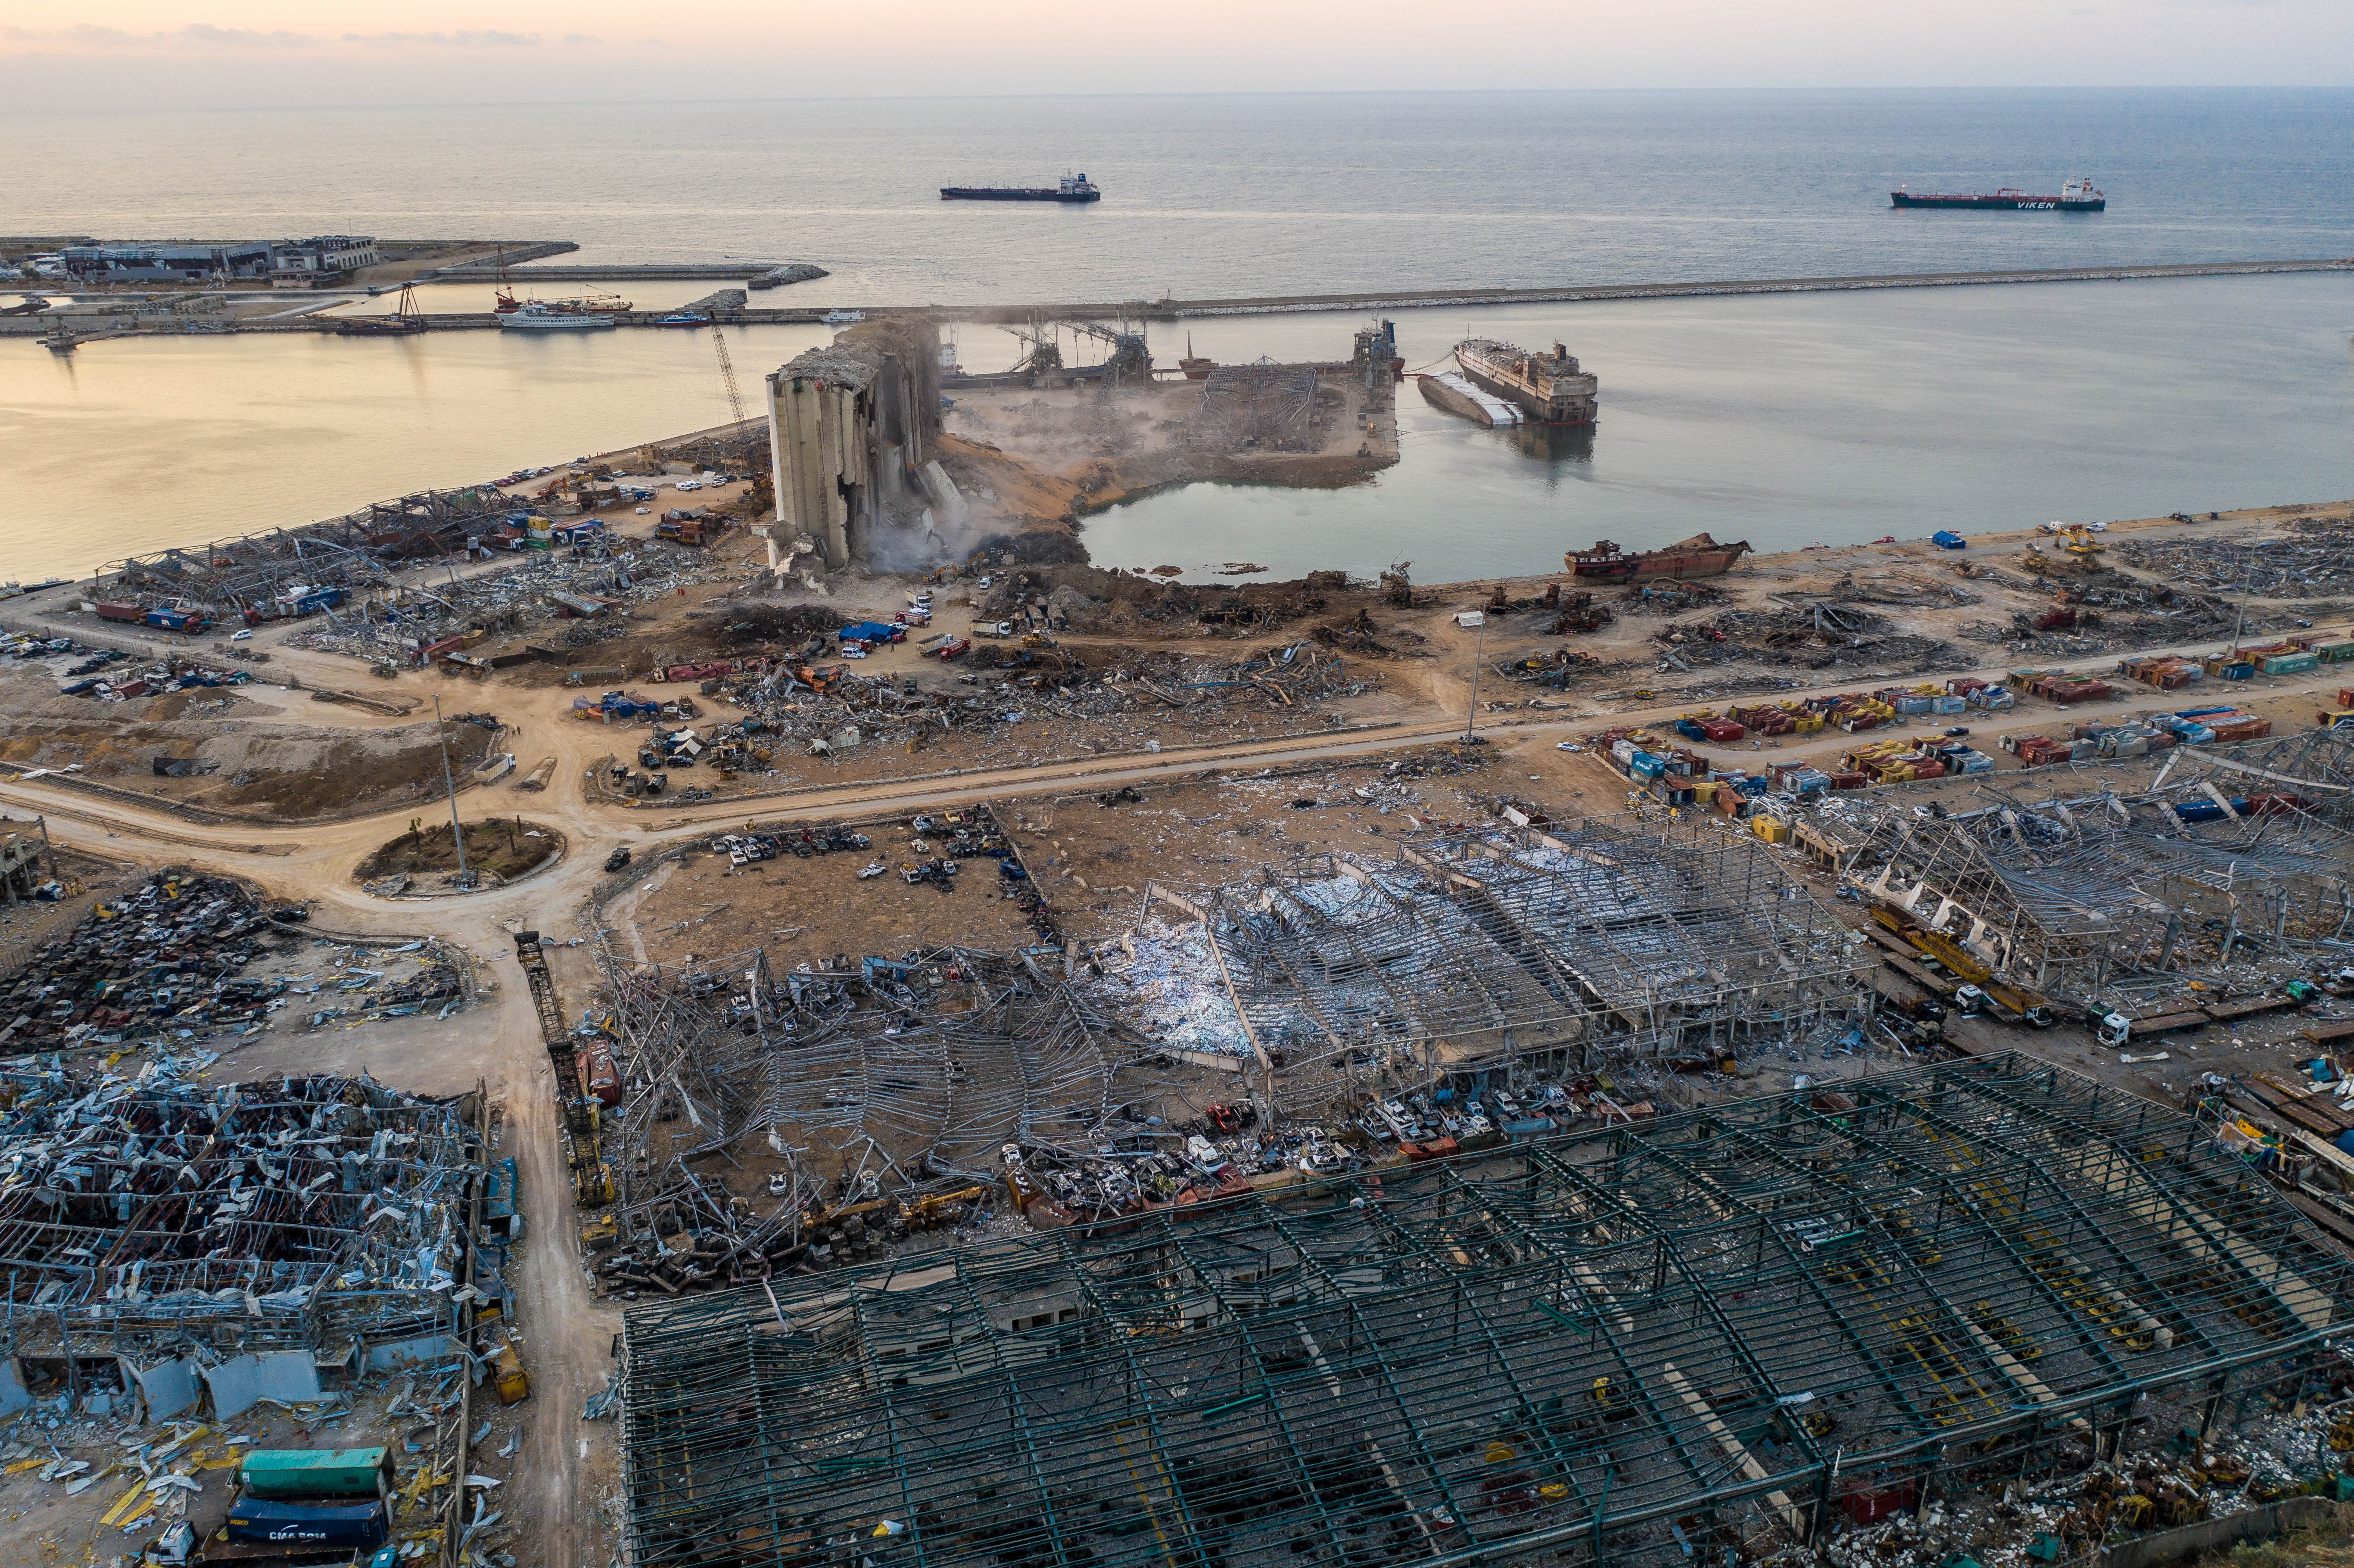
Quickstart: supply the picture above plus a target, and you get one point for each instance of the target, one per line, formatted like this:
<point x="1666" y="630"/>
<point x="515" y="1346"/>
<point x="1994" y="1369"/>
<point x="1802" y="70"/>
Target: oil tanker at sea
<point x="2076" y="195"/>
<point x="1073" y="187"/>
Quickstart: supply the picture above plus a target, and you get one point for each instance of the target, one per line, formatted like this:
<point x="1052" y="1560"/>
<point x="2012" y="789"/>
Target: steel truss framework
<point x="1609" y="937"/>
<point x="294" y="1211"/>
<point x="991" y="1050"/>
<point x="348" y="552"/>
<point x="2071" y="896"/>
<point x="1554" y="1351"/>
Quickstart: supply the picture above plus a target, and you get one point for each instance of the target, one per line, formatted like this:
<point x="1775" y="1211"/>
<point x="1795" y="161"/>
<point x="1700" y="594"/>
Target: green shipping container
<point x="2290" y="664"/>
<point x="316" y="1472"/>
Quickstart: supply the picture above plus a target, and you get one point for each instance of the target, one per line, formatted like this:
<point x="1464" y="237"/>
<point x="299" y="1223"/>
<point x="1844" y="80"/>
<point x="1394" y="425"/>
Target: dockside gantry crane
<point x="592" y="1179"/>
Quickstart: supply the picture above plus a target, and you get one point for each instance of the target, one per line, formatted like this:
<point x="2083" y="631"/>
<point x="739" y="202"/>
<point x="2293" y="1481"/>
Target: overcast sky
<point x="66" y="54"/>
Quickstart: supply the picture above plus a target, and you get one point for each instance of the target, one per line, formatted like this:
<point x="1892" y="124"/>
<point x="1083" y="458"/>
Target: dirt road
<point x="566" y="1334"/>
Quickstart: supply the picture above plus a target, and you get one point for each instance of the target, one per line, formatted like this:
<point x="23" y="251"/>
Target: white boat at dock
<point x="538" y="316"/>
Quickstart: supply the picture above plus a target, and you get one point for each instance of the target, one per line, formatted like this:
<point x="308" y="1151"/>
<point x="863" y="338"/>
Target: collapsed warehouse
<point x="904" y="1076"/>
<point x="752" y="1114"/>
<point x="1606" y="942"/>
<point x="350" y="552"/>
<point x="2246" y="857"/>
<point x="162" y="1235"/>
<point x="1722" y="1333"/>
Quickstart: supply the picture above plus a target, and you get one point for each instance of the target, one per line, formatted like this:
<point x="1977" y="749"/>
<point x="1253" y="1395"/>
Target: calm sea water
<point x="1785" y="418"/>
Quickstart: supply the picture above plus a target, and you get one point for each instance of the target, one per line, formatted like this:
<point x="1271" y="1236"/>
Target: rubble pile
<point x="396" y="624"/>
<point x="1812" y="635"/>
<point x="1555" y="670"/>
<point x="364" y="985"/>
<point x="295" y="1209"/>
<point x="2316" y="560"/>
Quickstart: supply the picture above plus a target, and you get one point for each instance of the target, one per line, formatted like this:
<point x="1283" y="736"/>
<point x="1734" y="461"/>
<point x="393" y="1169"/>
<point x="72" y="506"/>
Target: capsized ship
<point x="1547" y="389"/>
<point x="1698" y="556"/>
<point x="2076" y="195"/>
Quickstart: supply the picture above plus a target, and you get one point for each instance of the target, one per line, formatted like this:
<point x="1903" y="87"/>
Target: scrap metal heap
<point x="1714" y="1333"/>
<point x="2075" y="897"/>
<point x="166" y="1215"/>
<point x="1606" y="941"/>
<point x="1263" y="403"/>
<point x="908" y="1073"/>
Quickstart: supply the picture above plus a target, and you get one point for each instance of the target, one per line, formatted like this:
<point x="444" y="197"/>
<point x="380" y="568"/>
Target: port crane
<point x="592" y="1179"/>
<point x="727" y="373"/>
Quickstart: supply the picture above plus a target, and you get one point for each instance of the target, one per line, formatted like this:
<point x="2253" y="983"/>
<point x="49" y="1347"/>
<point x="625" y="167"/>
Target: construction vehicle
<point x="2082" y="547"/>
<point x="1968" y="983"/>
<point x="930" y="1210"/>
<point x="1398" y="586"/>
<point x="1039" y="640"/>
<point x="592" y="1179"/>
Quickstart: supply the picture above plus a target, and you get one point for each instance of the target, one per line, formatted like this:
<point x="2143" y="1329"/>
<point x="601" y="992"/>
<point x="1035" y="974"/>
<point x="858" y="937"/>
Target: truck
<point x="176" y="620"/>
<point x="130" y="613"/>
<point x="955" y="648"/>
<point x="993" y="628"/>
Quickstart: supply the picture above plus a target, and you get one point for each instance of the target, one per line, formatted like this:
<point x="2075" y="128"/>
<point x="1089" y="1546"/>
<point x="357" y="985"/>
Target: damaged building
<point x="1722" y="1333"/>
<point x="1608" y="940"/>
<point x="850" y="431"/>
<point x="2224" y="858"/>
<point x="163" y="1241"/>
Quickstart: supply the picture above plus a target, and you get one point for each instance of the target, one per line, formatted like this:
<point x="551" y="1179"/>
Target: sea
<point x="1784" y="420"/>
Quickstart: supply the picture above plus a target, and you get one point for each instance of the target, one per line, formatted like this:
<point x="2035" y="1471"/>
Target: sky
<point x="64" y="56"/>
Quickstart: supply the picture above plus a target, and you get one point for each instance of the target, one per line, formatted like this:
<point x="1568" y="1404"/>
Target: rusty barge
<point x="1698" y="556"/>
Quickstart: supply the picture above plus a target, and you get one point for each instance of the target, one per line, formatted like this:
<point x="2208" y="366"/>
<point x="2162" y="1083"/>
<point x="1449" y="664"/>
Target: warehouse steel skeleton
<point x="1699" y="1332"/>
<point x="166" y="1215"/>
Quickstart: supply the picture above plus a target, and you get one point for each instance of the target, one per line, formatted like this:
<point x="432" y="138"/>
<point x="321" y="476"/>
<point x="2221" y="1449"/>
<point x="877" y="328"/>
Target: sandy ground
<point x="1204" y="818"/>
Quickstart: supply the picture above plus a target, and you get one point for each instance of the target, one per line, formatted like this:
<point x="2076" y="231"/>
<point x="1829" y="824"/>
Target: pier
<point x="1169" y="309"/>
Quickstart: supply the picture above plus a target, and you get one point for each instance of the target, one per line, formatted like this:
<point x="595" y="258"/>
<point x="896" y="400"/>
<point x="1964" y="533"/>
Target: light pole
<point x="456" y="832"/>
<point x="1471" y="717"/>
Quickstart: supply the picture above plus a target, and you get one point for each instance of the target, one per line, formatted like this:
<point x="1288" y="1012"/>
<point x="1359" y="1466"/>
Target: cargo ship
<point x="1698" y="556"/>
<point x="2076" y="195"/>
<point x="1073" y="187"/>
<point x="1547" y="389"/>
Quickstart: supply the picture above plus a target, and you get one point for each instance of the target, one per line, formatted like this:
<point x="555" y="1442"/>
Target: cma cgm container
<point x="266" y="1521"/>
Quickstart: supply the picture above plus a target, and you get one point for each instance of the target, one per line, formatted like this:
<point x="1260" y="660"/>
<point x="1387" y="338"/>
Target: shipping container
<point x="131" y="612"/>
<point x="316" y="1472"/>
<point x="264" y="1522"/>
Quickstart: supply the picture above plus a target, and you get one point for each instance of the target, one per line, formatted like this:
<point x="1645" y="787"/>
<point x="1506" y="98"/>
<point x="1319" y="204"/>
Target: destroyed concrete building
<point x="851" y="432"/>
<point x="160" y="1237"/>
<point x="1609" y="940"/>
<point x="1715" y="1334"/>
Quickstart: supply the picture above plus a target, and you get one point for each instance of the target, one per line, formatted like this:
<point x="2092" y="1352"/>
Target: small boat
<point x="683" y="318"/>
<point x="841" y="317"/>
<point x="1698" y="556"/>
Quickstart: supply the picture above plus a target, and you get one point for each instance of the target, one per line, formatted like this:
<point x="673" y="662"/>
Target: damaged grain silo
<point x="851" y="432"/>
